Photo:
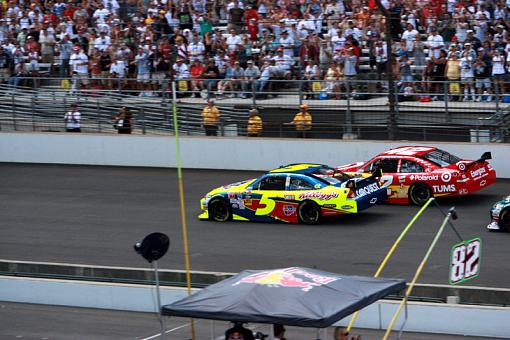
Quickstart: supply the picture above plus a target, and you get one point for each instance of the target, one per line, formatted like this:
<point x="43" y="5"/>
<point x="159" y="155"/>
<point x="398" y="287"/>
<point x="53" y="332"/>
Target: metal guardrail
<point x="342" y="114"/>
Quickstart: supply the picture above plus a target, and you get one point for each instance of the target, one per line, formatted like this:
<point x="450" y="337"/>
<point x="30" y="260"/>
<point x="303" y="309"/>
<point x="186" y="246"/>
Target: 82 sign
<point x="465" y="261"/>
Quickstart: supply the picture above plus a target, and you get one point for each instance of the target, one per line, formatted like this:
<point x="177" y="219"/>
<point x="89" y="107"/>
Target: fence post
<point x="13" y="110"/>
<point x="253" y="94"/>
<point x="497" y="92"/>
<point x="142" y="113"/>
<point x="348" y="112"/>
<point x="300" y="92"/>
<point x="98" y="115"/>
<point x="32" y="103"/>
<point x="445" y="92"/>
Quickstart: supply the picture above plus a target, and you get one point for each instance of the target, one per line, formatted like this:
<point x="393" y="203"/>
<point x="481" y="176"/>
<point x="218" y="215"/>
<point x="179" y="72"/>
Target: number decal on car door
<point x="268" y="203"/>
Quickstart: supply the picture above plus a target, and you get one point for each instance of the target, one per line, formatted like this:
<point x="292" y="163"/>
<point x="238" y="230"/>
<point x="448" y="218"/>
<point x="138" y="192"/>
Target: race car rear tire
<point x="309" y="213"/>
<point x="219" y="210"/>
<point x="419" y="193"/>
<point x="504" y="219"/>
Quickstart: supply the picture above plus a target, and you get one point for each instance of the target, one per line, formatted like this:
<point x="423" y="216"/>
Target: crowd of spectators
<point x="243" y="46"/>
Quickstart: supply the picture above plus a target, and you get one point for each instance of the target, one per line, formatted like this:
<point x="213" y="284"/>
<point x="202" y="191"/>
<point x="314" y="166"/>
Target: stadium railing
<point x="341" y="109"/>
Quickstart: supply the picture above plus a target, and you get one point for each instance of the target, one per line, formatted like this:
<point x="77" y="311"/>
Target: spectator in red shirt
<point x="197" y="76"/>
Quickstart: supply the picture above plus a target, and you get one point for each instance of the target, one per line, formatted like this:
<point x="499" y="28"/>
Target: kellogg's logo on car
<point x="323" y="196"/>
<point x="288" y="277"/>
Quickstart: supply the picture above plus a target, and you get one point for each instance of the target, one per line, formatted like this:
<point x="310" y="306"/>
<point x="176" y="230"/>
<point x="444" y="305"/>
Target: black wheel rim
<point x="421" y="194"/>
<point x="309" y="213"/>
<point x="219" y="210"/>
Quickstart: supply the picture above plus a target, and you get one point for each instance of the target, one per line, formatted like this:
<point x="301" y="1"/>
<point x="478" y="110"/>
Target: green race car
<point x="500" y="214"/>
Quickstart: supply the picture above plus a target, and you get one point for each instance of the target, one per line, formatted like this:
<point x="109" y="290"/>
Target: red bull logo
<point x="289" y="277"/>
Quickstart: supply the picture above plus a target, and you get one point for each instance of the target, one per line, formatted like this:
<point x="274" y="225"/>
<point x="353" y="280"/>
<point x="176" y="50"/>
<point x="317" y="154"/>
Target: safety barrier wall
<point x="422" y="317"/>
<point x="232" y="153"/>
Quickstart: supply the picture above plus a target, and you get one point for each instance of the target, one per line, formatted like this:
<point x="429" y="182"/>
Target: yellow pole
<point x="392" y="250"/>
<point x="181" y="200"/>
<point x="416" y="275"/>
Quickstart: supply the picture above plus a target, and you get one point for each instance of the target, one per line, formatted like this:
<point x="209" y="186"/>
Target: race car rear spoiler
<point x="485" y="156"/>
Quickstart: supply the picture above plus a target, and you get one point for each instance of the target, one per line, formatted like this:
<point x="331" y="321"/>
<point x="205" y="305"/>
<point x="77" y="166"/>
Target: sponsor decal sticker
<point x="446" y="177"/>
<point x="329" y="205"/>
<point x="367" y="190"/>
<point x="480" y="172"/>
<point x="322" y="196"/>
<point x="373" y="200"/>
<point x="444" y="188"/>
<point x="289" y="210"/>
<point x="424" y="177"/>
<point x="346" y="207"/>
<point x="231" y="195"/>
<point x="482" y="183"/>
<point x="462" y="166"/>
<point x="289" y="277"/>
<point x="402" y="178"/>
<point x="463" y="191"/>
<point x="289" y="197"/>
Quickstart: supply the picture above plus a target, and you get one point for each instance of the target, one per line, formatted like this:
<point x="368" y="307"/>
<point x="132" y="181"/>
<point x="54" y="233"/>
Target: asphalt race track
<point x="94" y="215"/>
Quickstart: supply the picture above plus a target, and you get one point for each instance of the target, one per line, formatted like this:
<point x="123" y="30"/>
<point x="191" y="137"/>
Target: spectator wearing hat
<point x="453" y="74"/>
<point x="410" y="36"/>
<point x="143" y="74"/>
<point x="211" y="118"/>
<point x="283" y="64"/>
<point x="498" y="71"/>
<point x="65" y="48"/>
<point x="434" y="43"/>
<point x="287" y="43"/>
<point x="251" y="74"/>
<point x="79" y="63"/>
<point x="482" y="78"/>
<point x="341" y="333"/>
<point x="254" y="124"/>
<point x="471" y="39"/>
<point x="302" y="121"/>
<point x="467" y="75"/>
<point x="72" y="119"/>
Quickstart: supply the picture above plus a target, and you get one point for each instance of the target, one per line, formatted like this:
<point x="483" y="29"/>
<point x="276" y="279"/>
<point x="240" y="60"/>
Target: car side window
<point x="297" y="183"/>
<point x="385" y="164"/>
<point x="272" y="183"/>
<point x="407" y="166"/>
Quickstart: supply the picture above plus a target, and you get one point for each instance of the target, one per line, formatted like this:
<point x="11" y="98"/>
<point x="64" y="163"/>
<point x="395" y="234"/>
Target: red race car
<point x="413" y="174"/>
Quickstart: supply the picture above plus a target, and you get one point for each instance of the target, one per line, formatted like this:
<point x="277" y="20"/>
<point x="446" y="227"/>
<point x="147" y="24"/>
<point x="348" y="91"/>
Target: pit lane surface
<point x="94" y="215"/>
<point x="27" y="321"/>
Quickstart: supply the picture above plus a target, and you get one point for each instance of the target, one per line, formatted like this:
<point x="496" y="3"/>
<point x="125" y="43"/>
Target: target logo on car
<point x="446" y="177"/>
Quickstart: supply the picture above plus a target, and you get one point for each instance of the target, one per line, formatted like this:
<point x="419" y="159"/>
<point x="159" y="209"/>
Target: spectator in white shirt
<point x="287" y="43"/>
<point x="79" y="67"/>
<point x="100" y="14"/>
<point x="102" y="42"/>
<point x="233" y="41"/>
<point x="435" y="43"/>
<point x="117" y="73"/>
<point x="410" y="35"/>
<point x="196" y="49"/>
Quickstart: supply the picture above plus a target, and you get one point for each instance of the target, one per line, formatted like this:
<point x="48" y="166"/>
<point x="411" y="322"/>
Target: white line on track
<point x="166" y="332"/>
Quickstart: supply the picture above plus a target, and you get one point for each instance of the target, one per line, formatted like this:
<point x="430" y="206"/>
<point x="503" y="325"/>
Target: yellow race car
<point x="295" y="193"/>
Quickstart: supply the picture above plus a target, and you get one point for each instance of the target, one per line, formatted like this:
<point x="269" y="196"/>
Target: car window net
<point x="441" y="158"/>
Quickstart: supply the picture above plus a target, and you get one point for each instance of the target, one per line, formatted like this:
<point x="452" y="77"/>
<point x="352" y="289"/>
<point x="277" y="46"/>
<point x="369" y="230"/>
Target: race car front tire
<point x="504" y="219"/>
<point x="309" y="213"/>
<point x="419" y="193"/>
<point x="219" y="210"/>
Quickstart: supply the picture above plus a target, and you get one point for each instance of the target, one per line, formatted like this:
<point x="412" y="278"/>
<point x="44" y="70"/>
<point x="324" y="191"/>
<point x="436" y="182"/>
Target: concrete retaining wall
<point x="233" y="153"/>
<point x="422" y="317"/>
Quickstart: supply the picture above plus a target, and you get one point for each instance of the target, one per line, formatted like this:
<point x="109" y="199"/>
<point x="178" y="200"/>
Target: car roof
<point x="301" y="168"/>
<point x="408" y="151"/>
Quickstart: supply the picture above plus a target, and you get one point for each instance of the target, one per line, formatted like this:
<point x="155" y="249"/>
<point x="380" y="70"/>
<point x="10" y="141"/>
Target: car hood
<point x="237" y="186"/>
